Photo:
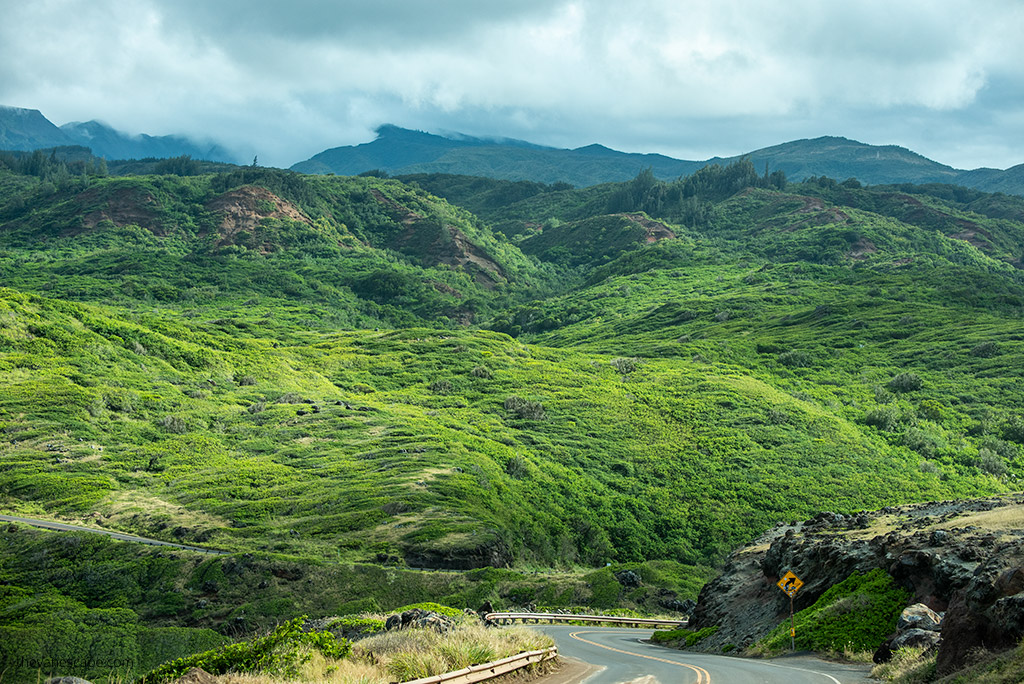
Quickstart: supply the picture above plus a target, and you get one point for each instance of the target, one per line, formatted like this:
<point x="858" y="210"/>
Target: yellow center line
<point x="703" y="676"/>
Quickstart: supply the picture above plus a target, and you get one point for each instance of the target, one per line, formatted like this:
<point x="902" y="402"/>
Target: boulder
<point x="925" y="638"/>
<point x="67" y="680"/>
<point x="417" y="618"/>
<point x="196" y="676"/>
<point x="919" y="616"/>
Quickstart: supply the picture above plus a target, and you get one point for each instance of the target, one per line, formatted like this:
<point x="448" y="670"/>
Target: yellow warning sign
<point x="790" y="583"/>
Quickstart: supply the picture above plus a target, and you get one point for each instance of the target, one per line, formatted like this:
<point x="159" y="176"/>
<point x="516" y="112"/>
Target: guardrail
<point x="561" y="617"/>
<point x="481" y="673"/>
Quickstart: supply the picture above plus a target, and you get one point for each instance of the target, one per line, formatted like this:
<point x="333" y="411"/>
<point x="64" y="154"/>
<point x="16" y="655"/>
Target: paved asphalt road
<point x="625" y="658"/>
<point x="51" y="525"/>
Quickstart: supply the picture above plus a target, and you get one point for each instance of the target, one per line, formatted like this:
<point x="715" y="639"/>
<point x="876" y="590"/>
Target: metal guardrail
<point x="481" y="673"/>
<point x="561" y="617"/>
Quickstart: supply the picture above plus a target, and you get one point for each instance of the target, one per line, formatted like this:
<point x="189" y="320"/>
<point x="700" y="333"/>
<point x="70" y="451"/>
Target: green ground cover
<point x="336" y="378"/>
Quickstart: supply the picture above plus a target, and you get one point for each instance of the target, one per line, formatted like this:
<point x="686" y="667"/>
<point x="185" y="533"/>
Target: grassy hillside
<point x="341" y="377"/>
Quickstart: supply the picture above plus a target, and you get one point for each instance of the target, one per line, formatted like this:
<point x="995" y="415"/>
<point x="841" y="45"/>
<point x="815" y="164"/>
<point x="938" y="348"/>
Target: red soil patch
<point x="242" y="210"/>
<point x="653" y="230"/>
<point x="124" y="207"/>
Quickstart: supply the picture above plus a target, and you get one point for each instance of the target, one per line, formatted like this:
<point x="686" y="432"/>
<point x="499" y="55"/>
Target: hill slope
<point x="324" y="375"/>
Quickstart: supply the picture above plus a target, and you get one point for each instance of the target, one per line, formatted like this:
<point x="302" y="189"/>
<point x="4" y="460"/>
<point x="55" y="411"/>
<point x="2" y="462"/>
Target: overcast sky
<point x="285" y="80"/>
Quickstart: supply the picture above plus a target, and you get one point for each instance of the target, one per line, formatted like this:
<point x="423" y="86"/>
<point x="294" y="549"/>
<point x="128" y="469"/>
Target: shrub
<point x="524" y="408"/>
<point x="857" y="613"/>
<point x="624" y="365"/>
<point x="246" y="380"/>
<point x="685" y="637"/>
<point x="281" y="652"/>
<point x="441" y="387"/>
<point x="884" y="418"/>
<point x="905" y="382"/>
<point x="920" y="441"/>
<point x="985" y="350"/>
<point x="1013" y="429"/>
<point x="795" y="358"/>
<point x="931" y="409"/>
<point x="517" y="467"/>
<point x="174" y="424"/>
<point x="990" y="462"/>
<point x="482" y="372"/>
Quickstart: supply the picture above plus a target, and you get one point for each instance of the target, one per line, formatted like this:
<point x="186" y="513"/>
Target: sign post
<point x="790" y="584"/>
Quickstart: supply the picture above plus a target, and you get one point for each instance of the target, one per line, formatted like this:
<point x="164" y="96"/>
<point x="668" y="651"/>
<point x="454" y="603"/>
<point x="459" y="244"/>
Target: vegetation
<point x="282" y="652"/>
<point x="338" y="379"/>
<point x="682" y="638"/>
<point x="855" y="615"/>
<point x="912" y="666"/>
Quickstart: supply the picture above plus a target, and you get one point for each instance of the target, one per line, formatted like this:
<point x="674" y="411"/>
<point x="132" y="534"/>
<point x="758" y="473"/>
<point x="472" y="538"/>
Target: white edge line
<point x="801" y="669"/>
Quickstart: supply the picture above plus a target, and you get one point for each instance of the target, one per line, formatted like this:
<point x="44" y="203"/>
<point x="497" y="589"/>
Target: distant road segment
<point x="64" y="527"/>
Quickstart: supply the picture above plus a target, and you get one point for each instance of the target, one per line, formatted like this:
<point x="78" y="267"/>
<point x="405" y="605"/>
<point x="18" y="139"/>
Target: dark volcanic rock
<point x="988" y="613"/>
<point x="628" y="579"/>
<point x="940" y="552"/>
<point x="492" y="554"/>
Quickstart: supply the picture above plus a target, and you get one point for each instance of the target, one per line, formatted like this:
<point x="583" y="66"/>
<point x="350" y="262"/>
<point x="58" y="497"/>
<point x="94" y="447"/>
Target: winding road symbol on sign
<point x="790" y="584"/>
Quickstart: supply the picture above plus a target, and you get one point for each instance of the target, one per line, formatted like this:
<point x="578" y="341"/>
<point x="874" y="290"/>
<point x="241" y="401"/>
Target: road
<point x="626" y="658"/>
<point x="64" y="527"/>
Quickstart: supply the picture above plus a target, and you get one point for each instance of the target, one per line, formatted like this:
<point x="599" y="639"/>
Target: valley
<point x="379" y="391"/>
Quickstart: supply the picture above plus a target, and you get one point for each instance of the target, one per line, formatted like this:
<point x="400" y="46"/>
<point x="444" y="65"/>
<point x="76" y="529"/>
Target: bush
<point x="856" y="614"/>
<point x="905" y="382"/>
<point x="482" y="372"/>
<point x="524" y="408"/>
<point x="990" y="462"/>
<point x="985" y="350"/>
<point x="624" y="365"/>
<point x="795" y="359"/>
<point x="281" y="652"/>
<point x="884" y="418"/>
<point x="685" y="637"/>
<point x="920" y="441"/>
<point x="174" y="424"/>
<point x="441" y="387"/>
<point x="1013" y="429"/>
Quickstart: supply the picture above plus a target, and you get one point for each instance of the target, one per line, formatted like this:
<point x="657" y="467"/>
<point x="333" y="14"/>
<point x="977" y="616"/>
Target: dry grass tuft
<point x="908" y="666"/>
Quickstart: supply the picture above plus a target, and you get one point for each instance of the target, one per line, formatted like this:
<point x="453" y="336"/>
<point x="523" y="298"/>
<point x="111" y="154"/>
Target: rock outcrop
<point x="962" y="557"/>
<point x="417" y="618"/>
<point x="919" y="626"/>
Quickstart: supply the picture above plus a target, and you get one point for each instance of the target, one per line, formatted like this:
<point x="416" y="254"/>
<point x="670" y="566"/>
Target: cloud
<point x="286" y="81"/>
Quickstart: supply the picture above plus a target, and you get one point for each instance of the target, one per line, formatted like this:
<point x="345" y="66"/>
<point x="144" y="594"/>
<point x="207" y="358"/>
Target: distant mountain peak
<point x="27" y="129"/>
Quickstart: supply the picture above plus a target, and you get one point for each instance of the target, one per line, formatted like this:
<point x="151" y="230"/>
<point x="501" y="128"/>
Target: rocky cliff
<point x="962" y="557"/>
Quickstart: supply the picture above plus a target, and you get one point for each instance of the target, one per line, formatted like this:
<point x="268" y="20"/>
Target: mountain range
<point x="400" y="151"/>
<point x="28" y="129"/>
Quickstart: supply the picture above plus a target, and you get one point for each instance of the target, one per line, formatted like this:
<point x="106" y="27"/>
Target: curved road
<point x="626" y="657"/>
<point x="64" y="527"/>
